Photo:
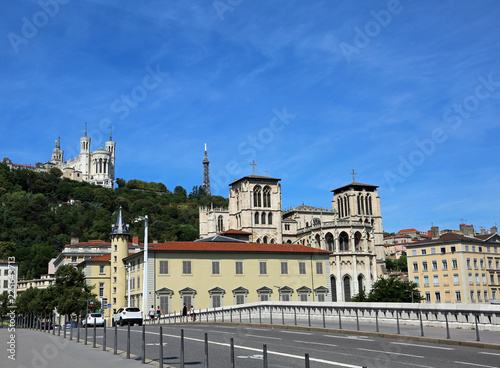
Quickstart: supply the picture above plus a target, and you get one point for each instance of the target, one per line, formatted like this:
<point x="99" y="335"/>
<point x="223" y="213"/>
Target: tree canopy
<point x="41" y="212"/>
<point x="391" y="289"/>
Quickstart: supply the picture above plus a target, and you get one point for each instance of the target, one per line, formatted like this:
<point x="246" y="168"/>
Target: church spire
<point x="120" y="228"/>
<point x="206" y="173"/>
<point x="85" y="129"/>
<point x="110" y="134"/>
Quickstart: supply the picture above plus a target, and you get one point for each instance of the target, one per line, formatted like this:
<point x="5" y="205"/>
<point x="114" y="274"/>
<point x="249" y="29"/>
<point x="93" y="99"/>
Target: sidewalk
<point x="35" y="349"/>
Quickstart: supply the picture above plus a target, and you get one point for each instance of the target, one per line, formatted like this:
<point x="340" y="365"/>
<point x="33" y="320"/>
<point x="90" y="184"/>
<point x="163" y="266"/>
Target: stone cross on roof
<point x="253" y="164"/>
<point x="353" y="175"/>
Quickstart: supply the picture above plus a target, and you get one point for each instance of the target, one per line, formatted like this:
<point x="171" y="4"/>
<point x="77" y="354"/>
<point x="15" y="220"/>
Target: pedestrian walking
<point x="158" y="313"/>
<point x="184" y="313"/>
<point x="152" y="314"/>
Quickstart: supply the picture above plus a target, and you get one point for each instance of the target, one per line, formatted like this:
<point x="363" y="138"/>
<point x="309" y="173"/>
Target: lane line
<point x="388" y="352"/>
<point x="297" y="333"/>
<point x="422" y="346"/>
<point x="349" y="337"/>
<point x="484" y="352"/>
<point x="328" y="362"/>
<point x="265" y="337"/>
<point x="314" y="343"/>
<point x="475" y="365"/>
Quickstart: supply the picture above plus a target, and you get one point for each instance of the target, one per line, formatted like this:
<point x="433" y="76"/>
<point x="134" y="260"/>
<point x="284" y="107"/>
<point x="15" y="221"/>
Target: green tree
<point x="393" y="290"/>
<point x="72" y="291"/>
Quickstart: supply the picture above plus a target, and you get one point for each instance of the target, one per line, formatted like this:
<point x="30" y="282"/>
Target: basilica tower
<point x="84" y="166"/>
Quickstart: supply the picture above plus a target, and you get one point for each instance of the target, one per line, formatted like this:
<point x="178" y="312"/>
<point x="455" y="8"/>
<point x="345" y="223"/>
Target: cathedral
<point x="351" y="230"/>
<point x="97" y="167"/>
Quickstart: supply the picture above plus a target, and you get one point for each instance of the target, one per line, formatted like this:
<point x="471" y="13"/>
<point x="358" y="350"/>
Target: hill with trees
<point x="41" y="212"/>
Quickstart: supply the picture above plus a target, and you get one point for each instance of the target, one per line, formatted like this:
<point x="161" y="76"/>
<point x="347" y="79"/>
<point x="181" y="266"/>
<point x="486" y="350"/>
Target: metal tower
<point x="206" y="173"/>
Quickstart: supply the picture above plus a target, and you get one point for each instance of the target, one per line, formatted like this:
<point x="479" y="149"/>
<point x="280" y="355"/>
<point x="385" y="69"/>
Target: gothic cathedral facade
<point x="351" y="230"/>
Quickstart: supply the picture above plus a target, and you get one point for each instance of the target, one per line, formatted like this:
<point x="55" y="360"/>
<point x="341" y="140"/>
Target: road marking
<point x="258" y="357"/>
<point x="476" y="365"/>
<point x="264" y="337"/>
<point x="422" y="346"/>
<point x="314" y="343"/>
<point x="484" y="352"/>
<point x="361" y="338"/>
<point x="298" y="333"/>
<point x="300" y="357"/>
<point x="157" y="344"/>
<point x="388" y="352"/>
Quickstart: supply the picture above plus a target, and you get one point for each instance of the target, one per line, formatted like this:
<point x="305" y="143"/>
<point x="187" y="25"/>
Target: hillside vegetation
<point x="41" y="212"/>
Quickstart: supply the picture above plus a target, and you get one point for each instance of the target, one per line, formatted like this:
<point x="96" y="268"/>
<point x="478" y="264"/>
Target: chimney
<point x="467" y="230"/>
<point x="74" y="240"/>
<point x="435" y="232"/>
<point x="493" y="230"/>
<point x="135" y="240"/>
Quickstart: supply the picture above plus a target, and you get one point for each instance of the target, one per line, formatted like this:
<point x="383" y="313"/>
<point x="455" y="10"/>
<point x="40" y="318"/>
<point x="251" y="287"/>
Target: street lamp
<point x="128" y="267"/>
<point x="145" y="264"/>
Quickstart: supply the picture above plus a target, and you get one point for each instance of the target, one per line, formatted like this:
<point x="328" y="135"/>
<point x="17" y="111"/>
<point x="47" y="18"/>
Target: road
<point x="287" y="348"/>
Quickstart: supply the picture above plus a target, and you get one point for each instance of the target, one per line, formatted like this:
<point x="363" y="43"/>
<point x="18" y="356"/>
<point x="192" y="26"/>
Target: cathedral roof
<point x="220" y="238"/>
<point x="235" y="232"/>
<point x="258" y="178"/>
<point x="357" y="186"/>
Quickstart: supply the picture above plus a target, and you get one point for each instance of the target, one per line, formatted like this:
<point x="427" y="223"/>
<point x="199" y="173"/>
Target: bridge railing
<point x="351" y="316"/>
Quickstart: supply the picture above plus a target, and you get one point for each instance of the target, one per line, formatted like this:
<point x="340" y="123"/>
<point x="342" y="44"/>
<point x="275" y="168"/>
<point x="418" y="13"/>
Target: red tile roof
<point x="104" y="258"/>
<point x="230" y="247"/>
<point x="408" y="231"/>
<point x="90" y="243"/>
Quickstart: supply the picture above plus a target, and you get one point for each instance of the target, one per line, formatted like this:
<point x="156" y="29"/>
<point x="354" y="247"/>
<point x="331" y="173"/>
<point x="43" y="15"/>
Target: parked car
<point x="91" y="317"/>
<point x="71" y="324"/>
<point x="128" y="315"/>
<point x="46" y="325"/>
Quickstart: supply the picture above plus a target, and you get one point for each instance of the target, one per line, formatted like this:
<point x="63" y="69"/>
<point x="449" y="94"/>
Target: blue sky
<point x="405" y="93"/>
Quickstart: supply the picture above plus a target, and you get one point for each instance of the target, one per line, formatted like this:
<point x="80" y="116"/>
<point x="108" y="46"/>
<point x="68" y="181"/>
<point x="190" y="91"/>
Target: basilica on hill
<point x="351" y="230"/>
<point x="97" y="167"/>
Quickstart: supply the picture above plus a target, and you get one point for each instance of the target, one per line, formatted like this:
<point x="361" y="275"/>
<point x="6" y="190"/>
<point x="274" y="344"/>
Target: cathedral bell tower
<point x="119" y="249"/>
<point x="110" y="147"/>
<point x="85" y="155"/>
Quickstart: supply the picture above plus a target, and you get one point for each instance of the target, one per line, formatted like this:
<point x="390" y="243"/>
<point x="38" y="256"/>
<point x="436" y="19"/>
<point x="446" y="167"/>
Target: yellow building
<point x="455" y="268"/>
<point x="208" y="274"/>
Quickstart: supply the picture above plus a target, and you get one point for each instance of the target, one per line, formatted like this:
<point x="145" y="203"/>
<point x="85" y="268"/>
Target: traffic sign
<point x="109" y="305"/>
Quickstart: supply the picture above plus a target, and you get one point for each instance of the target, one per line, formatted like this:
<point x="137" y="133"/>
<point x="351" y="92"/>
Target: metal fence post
<point x="128" y="341"/>
<point x="376" y="319"/>
<point x="115" y="343"/>
<point x="421" y="324"/>
<point x="271" y="314"/>
<point x="447" y="326"/>
<point x="65" y="323"/>
<point x="59" y="331"/>
<point x="53" y="324"/>
<point x="231" y="314"/>
<point x="282" y="315"/>
<point x="160" y="358"/>
<point x="260" y="314"/>
<point x="182" y="348"/>
<point x="357" y="319"/>
<point x="307" y="360"/>
<point x="309" y="315"/>
<point x="143" y="344"/>
<point x="95" y="333"/>
<point x="77" y="328"/>
<point x="86" y="331"/>
<point x="250" y="315"/>
<point x="264" y="352"/>
<point x="205" y="360"/>
<point x="340" y="320"/>
<point x="240" y="314"/>
<point x="104" y="337"/>
<point x="397" y="322"/>
<point x="476" y="317"/>
<point x="295" y="315"/>
<point x="232" y="354"/>
<point x="324" y="322"/>
<point x="71" y="328"/>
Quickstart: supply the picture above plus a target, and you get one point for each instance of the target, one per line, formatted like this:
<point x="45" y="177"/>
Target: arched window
<point x="357" y="240"/>
<point x="272" y="241"/>
<point x="220" y="224"/>
<point x="270" y="218"/>
<point x="341" y="207"/>
<point x="333" y="284"/>
<point x="267" y="196"/>
<point x="359" y="199"/>
<point x="344" y="241"/>
<point x="347" y="288"/>
<point x="369" y="204"/>
<point x="360" y="282"/>
<point x="256" y="218"/>
<point x="258" y="241"/>
<point x="264" y="240"/>
<point x="257" y="202"/>
<point x="289" y="242"/>
<point x="329" y="241"/>
<point x="346" y="211"/>
<point x="263" y="216"/>
<point x="317" y="239"/>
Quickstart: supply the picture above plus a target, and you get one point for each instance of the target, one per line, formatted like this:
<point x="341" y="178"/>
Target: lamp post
<point x="145" y="264"/>
<point x="128" y="267"/>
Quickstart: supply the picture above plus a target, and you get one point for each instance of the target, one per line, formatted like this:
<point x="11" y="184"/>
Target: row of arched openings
<point x="346" y="287"/>
<point x="266" y="240"/>
<point x="262" y="197"/>
<point x="263" y="218"/>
